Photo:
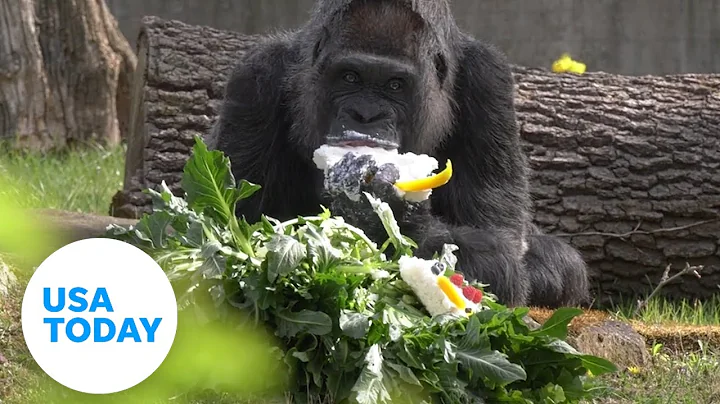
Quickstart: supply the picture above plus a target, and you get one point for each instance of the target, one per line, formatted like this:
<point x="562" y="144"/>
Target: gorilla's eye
<point x="351" y="77"/>
<point x="395" y="85"/>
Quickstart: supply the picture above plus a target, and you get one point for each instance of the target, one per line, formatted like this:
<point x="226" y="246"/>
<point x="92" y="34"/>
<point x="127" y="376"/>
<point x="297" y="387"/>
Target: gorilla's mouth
<point x="350" y="138"/>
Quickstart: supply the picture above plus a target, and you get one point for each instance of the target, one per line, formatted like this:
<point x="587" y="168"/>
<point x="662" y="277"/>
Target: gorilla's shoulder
<point x="265" y="62"/>
<point x="484" y="67"/>
<point x="471" y="47"/>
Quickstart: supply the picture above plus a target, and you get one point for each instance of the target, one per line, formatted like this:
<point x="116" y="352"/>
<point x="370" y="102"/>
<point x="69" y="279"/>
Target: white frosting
<point x="411" y="166"/>
<point x="417" y="273"/>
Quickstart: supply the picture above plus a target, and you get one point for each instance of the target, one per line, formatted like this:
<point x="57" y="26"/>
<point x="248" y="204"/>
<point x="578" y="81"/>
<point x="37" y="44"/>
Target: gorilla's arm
<point x="485" y="206"/>
<point x="252" y="131"/>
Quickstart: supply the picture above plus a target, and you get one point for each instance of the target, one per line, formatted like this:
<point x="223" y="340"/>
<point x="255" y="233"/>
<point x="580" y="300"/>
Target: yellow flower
<point x="566" y="65"/>
<point x="633" y="370"/>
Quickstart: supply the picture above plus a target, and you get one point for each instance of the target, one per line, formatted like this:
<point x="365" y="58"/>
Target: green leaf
<point x="382" y="209"/>
<point x="284" y="255"/>
<point x="195" y="235"/>
<point x="292" y="323"/>
<point x="213" y="266"/>
<point x="315" y="367"/>
<point x="475" y="336"/>
<point x="405" y="373"/>
<point x="267" y="227"/>
<point x="410" y="356"/>
<point x="166" y="200"/>
<point x="354" y="324"/>
<point x="447" y="349"/>
<point x="561" y="346"/>
<point x="320" y="248"/>
<point x="339" y="385"/>
<point x="338" y="350"/>
<point x="155" y="227"/>
<point x="247" y="189"/>
<point x="430" y="377"/>
<point x="325" y="214"/>
<point x="552" y="394"/>
<point x="305" y="347"/>
<point x="490" y="365"/>
<point x="398" y="320"/>
<point x="556" y="325"/>
<point x="598" y="366"/>
<point x="370" y="387"/>
<point x="208" y="183"/>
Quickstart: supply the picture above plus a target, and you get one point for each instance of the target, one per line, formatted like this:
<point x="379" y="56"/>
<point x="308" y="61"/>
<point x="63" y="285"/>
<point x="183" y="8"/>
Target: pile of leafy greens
<point x="349" y="328"/>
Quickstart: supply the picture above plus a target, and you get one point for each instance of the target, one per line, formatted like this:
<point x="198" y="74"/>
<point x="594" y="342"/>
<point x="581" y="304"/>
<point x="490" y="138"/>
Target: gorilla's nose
<point x="366" y="114"/>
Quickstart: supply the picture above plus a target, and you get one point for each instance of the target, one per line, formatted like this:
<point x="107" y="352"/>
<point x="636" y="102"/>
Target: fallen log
<point x="61" y="228"/>
<point x="75" y="226"/>
<point x="626" y="168"/>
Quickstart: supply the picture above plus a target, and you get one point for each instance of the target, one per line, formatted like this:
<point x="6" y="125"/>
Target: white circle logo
<point x="99" y="316"/>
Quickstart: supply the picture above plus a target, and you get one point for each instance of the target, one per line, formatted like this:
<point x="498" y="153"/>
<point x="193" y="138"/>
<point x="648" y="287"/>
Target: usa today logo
<point x="99" y="316"/>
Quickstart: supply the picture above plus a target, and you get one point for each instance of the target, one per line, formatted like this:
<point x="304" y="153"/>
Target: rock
<point x="7" y="279"/>
<point x="615" y="341"/>
<point x="679" y="337"/>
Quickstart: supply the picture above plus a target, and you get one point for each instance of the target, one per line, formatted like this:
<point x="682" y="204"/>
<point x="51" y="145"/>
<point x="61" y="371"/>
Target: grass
<point x="21" y="380"/>
<point x="79" y="180"/>
<point x="662" y="311"/>
<point x="671" y="377"/>
<point x="684" y="372"/>
<point x="85" y="179"/>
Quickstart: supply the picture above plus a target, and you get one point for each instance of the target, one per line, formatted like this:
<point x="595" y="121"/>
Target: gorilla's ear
<point x="441" y="67"/>
<point x="320" y="44"/>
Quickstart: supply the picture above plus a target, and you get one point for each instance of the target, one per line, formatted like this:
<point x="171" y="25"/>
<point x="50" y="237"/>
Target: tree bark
<point x="26" y="110"/>
<point x="625" y="168"/>
<point x="628" y="169"/>
<point x="67" y="74"/>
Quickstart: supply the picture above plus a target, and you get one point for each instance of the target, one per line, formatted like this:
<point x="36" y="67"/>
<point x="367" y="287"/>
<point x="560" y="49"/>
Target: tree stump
<point x="65" y="72"/>
<point x="626" y="168"/>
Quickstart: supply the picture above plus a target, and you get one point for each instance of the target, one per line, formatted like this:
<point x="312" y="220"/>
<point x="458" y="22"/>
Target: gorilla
<point x="403" y="73"/>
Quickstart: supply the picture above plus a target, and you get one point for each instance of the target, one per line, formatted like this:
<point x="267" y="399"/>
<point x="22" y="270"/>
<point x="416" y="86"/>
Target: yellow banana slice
<point x="451" y="292"/>
<point x="431" y="182"/>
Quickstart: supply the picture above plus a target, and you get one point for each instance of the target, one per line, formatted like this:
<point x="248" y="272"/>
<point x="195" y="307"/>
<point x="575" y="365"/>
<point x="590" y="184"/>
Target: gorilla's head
<point x="376" y="73"/>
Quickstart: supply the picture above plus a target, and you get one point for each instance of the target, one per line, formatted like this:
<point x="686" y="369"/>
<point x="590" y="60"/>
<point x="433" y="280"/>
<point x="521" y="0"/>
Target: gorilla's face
<point x="370" y="100"/>
<point x="368" y="84"/>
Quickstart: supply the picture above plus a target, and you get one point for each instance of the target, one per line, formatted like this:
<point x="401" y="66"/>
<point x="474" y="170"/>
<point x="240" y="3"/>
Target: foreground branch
<point x="666" y="279"/>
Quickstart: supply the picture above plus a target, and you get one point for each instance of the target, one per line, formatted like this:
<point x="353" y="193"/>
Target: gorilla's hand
<point x="349" y="179"/>
<point x="379" y="183"/>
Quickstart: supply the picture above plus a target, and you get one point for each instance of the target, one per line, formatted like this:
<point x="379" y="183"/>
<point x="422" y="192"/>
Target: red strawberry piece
<point x="477" y="296"/>
<point x="457" y="279"/>
<point x="468" y="292"/>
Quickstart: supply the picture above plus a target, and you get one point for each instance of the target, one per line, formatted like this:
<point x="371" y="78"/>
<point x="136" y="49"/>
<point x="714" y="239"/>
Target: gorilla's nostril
<point x="366" y="115"/>
<point x="356" y="116"/>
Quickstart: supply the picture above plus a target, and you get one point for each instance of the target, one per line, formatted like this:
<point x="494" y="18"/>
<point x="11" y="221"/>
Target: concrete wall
<point x="620" y="36"/>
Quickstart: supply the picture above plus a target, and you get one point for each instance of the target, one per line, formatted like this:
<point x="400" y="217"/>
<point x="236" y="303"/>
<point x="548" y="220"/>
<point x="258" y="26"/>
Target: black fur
<point x="279" y="108"/>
